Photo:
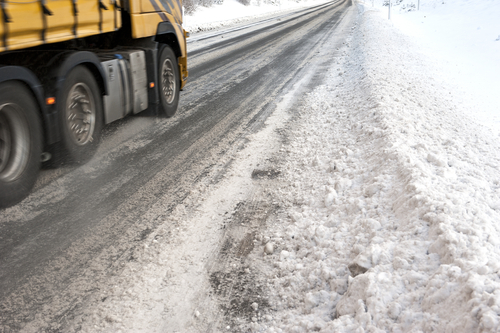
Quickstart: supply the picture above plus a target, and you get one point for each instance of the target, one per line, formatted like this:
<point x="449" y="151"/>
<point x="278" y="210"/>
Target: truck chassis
<point x="56" y="97"/>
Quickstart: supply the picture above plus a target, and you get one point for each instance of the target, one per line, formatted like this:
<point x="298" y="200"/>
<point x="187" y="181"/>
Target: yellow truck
<point x="68" y="67"/>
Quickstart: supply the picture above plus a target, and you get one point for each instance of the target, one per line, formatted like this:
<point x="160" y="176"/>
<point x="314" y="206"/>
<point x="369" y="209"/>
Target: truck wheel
<point x="80" y="115"/>
<point x="20" y="143"/>
<point x="169" y="82"/>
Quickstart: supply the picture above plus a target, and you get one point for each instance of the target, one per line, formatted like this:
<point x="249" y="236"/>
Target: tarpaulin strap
<point x="6" y="19"/>
<point x="101" y="8"/>
<point x="45" y="12"/>
<point x="5" y="15"/>
<point x="115" y="9"/>
<point x="75" y="14"/>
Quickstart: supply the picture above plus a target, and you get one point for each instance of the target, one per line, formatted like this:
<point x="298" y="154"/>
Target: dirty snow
<point x="389" y="189"/>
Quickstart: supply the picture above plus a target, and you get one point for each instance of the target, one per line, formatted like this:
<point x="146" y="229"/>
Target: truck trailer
<point x="69" y="67"/>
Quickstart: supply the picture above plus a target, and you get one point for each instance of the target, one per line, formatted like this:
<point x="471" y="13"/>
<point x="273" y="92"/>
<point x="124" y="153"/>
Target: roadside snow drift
<point x="393" y="198"/>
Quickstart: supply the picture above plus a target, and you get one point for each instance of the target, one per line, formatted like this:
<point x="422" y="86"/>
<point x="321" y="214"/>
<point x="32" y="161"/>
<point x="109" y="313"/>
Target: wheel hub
<point x="81" y="113"/>
<point x="168" y="81"/>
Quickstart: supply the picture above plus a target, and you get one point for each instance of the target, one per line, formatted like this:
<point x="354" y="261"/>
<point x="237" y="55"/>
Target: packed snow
<point x="389" y="189"/>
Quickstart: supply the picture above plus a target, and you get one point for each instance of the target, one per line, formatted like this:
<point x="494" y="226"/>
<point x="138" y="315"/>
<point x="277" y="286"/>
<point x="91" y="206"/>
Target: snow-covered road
<point x="369" y="201"/>
<point x="377" y="210"/>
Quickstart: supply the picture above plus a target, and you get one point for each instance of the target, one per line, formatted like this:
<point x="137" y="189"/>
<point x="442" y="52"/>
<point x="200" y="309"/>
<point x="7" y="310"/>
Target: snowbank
<point x="232" y="12"/>
<point x="393" y="201"/>
<point x="463" y="38"/>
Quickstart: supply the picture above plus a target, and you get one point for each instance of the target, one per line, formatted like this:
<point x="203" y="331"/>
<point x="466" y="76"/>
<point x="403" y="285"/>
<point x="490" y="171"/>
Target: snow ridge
<point x="393" y="201"/>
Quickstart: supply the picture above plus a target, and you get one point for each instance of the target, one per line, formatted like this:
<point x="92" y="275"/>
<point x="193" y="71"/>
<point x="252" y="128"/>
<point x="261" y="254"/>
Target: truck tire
<point x="169" y="81"/>
<point x="20" y="143"/>
<point x="80" y="116"/>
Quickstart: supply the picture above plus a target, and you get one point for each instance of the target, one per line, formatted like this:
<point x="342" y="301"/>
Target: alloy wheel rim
<point x="168" y="81"/>
<point x="80" y="114"/>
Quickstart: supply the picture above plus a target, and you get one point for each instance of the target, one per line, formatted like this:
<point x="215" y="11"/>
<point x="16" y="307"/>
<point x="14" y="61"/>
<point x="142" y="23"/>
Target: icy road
<point x="65" y="249"/>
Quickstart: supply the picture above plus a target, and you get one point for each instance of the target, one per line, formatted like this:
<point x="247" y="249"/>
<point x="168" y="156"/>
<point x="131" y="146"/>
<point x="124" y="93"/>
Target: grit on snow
<point x="393" y="196"/>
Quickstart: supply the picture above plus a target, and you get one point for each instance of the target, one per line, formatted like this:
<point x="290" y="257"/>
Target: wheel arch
<point x="165" y="34"/>
<point x="85" y="58"/>
<point x="58" y="74"/>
